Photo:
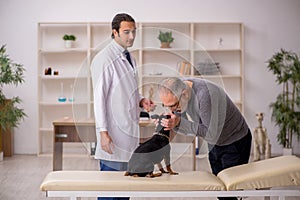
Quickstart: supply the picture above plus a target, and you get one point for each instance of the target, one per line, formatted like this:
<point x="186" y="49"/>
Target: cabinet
<point x="214" y="47"/>
<point x="73" y="81"/>
<point x="213" y="51"/>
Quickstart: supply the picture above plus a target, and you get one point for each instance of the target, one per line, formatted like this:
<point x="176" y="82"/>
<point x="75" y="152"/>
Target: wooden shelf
<point x="194" y="43"/>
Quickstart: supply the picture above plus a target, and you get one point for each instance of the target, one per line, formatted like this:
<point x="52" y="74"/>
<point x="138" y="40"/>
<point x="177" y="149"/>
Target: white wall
<point x="269" y="26"/>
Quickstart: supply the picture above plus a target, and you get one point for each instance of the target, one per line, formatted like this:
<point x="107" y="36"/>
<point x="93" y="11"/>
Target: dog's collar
<point x="163" y="135"/>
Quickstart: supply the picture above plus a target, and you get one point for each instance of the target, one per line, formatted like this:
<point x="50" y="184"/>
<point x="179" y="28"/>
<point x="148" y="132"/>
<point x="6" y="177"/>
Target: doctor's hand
<point x="106" y="142"/>
<point x="147" y="104"/>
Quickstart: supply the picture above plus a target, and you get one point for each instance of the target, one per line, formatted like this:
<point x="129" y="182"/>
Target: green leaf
<point x="11" y="73"/>
<point x="285" y="65"/>
<point x="165" y="36"/>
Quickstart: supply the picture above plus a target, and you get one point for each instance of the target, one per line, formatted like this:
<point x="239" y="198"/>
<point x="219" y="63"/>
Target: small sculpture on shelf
<point x="55" y="73"/>
<point x="220" y="43"/>
<point x="48" y="71"/>
<point x="262" y="144"/>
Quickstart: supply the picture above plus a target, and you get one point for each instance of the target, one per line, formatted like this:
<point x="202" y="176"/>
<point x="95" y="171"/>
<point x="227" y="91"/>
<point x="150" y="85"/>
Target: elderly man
<point x="207" y="111"/>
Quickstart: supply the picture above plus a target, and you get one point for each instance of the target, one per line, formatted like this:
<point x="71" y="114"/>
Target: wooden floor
<point x="21" y="175"/>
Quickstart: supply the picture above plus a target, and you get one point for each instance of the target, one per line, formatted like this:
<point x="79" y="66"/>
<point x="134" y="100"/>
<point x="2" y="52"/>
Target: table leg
<point x="57" y="156"/>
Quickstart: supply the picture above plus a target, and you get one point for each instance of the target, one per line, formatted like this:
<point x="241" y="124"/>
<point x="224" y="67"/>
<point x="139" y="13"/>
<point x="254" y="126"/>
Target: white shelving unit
<point x="194" y="43"/>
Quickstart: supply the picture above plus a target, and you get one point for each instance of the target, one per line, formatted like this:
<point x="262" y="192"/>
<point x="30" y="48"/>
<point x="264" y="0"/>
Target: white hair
<point x="173" y="85"/>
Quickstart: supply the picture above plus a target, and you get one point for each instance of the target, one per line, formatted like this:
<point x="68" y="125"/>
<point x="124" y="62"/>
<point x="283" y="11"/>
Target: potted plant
<point x="165" y="38"/>
<point x="285" y="66"/>
<point x="10" y="115"/>
<point x="69" y="39"/>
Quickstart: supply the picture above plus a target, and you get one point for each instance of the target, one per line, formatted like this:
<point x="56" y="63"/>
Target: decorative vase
<point x="68" y="44"/>
<point x="62" y="97"/>
<point x="165" y="45"/>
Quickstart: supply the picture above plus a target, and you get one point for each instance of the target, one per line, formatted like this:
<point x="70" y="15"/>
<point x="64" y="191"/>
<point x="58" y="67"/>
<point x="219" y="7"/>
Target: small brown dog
<point x="151" y="152"/>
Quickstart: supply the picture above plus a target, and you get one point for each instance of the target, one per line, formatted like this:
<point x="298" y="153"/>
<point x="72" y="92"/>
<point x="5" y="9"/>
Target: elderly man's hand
<point x="172" y="122"/>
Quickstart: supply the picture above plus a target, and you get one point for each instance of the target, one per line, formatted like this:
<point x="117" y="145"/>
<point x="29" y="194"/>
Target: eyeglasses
<point x="173" y="106"/>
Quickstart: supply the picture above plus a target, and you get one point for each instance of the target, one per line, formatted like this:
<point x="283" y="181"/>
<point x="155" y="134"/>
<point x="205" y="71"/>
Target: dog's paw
<point x="163" y="171"/>
<point x="173" y="173"/>
<point x="152" y="175"/>
<point x="126" y="174"/>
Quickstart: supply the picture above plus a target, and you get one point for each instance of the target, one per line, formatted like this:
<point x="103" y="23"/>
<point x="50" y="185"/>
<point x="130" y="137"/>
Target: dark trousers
<point x="222" y="157"/>
<point x="113" y="166"/>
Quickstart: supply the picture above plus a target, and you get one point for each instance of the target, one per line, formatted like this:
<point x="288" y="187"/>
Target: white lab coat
<point x="116" y="102"/>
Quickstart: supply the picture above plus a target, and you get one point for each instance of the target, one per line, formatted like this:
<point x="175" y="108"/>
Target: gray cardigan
<point x="212" y="115"/>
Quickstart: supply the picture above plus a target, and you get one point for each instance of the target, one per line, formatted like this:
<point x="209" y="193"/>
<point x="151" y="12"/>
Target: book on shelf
<point x="184" y="68"/>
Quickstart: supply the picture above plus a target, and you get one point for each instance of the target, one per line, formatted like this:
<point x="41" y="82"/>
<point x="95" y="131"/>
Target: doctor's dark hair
<point x="116" y="22"/>
<point x="173" y="85"/>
